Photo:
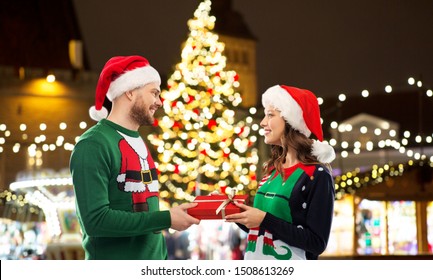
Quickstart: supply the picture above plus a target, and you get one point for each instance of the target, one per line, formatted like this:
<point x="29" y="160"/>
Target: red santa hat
<point x="120" y="74"/>
<point x="300" y="109"/>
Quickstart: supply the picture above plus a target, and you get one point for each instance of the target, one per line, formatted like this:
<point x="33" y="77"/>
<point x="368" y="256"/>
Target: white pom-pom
<point x="98" y="115"/>
<point x="323" y="151"/>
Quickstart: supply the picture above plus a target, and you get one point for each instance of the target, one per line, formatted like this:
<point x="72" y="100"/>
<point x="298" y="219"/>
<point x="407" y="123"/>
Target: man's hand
<point x="180" y="220"/>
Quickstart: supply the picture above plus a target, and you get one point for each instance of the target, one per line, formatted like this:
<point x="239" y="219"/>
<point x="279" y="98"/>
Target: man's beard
<point x="141" y="115"/>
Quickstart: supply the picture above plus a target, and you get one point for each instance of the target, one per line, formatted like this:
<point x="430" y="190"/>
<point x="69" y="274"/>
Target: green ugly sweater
<point x="299" y="212"/>
<point x="117" y="197"/>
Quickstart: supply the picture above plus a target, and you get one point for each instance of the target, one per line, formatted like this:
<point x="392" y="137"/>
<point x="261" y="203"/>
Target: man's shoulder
<point x="98" y="132"/>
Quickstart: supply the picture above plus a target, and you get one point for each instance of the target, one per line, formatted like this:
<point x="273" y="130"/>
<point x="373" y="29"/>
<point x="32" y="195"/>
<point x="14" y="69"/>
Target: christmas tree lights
<point x="202" y="145"/>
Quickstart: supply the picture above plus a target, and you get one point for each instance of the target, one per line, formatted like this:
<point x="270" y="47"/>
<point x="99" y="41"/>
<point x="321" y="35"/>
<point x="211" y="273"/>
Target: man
<point x="114" y="175"/>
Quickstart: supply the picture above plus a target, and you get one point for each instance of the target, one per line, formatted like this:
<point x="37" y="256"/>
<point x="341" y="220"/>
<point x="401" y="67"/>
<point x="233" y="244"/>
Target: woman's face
<point x="273" y="125"/>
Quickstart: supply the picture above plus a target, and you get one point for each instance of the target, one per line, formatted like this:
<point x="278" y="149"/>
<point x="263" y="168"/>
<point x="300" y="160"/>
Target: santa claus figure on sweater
<point x="137" y="174"/>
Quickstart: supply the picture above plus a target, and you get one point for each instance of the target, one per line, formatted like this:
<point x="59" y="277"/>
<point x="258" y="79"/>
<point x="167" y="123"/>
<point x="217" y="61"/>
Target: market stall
<point x="52" y="192"/>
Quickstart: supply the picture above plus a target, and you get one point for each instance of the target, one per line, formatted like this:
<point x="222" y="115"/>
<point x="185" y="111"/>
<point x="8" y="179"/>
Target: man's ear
<point x="129" y="94"/>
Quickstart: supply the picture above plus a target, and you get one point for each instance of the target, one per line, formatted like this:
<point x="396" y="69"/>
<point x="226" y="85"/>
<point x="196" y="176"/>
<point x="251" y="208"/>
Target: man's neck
<point x="122" y="121"/>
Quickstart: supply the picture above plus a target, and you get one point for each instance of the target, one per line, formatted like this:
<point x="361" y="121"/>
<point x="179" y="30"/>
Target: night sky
<point x="330" y="47"/>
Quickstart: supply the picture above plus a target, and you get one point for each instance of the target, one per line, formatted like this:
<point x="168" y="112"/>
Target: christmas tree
<point x="202" y="144"/>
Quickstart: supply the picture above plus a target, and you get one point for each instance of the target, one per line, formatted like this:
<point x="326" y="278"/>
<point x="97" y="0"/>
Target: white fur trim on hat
<point x="323" y="151"/>
<point x="98" y="115"/>
<point x="280" y="99"/>
<point x="133" y="79"/>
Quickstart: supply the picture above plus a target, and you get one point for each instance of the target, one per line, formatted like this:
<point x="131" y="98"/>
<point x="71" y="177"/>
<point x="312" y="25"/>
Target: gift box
<point x="216" y="207"/>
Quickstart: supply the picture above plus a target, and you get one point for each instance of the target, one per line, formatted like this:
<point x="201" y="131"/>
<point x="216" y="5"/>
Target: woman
<point x="293" y="206"/>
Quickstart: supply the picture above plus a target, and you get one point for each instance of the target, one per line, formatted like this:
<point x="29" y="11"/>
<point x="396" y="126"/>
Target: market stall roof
<point x="410" y="181"/>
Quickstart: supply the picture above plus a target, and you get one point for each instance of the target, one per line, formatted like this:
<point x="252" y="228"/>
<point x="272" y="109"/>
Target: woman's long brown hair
<point x="298" y="142"/>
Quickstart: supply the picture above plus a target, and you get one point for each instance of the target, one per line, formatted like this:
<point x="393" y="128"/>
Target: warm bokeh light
<point x="51" y="78"/>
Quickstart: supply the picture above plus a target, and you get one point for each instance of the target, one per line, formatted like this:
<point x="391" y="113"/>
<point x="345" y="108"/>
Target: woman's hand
<point x="251" y="217"/>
